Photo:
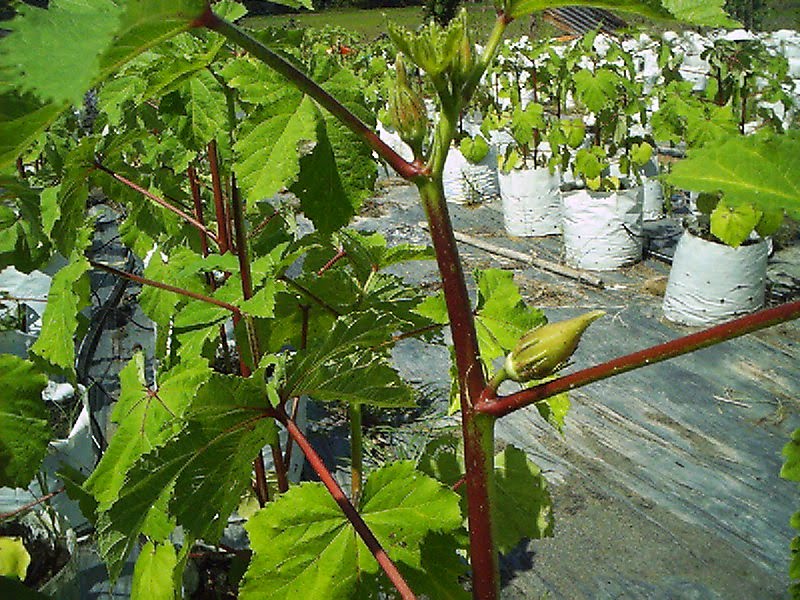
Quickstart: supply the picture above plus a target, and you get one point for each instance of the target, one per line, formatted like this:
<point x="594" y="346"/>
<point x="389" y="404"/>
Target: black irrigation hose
<point x="88" y="348"/>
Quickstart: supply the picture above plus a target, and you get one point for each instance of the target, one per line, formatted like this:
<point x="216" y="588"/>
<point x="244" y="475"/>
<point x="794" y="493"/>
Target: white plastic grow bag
<point x="466" y="183"/>
<point x="602" y="230"/>
<point x="531" y="202"/>
<point x="711" y="283"/>
<point x="652" y="192"/>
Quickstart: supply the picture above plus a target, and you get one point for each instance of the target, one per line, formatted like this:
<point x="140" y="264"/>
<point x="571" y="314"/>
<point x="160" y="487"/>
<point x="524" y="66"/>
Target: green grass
<point x="371" y="23"/>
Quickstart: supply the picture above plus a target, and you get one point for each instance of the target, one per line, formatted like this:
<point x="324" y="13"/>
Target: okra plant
<point x="205" y="121"/>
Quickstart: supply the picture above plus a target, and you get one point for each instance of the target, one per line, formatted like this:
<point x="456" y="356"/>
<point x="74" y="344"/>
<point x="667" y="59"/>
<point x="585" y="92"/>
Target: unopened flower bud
<point x="407" y="110"/>
<point x="542" y="351"/>
<point x="464" y="60"/>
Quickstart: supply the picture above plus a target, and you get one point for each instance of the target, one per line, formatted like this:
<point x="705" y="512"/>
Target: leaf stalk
<point x="408" y="170"/>
<point x="649" y="356"/>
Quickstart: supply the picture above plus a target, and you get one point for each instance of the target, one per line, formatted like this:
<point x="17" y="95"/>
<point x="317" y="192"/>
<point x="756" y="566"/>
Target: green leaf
<point x="349" y="335"/>
<point x="206" y="109"/>
<point x="523" y="122"/>
<point x="14" y="588"/>
<point x="73" y="481"/>
<point x="39" y="35"/>
<point x="760" y="170"/>
<point x="369" y="252"/>
<point x="320" y="188"/>
<point x="72" y="195"/>
<point x="400" y="505"/>
<point x="271" y="144"/>
<point x="442" y="570"/>
<point x="152" y="575"/>
<point x="502" y="317"/>
<point x="733" y="224"/>
<point x="22" y="118"/>
<point x="145" y="419"/>
<point x="641" y="153"/>
<point x="523" y="507"/>
<point x="554" y="410"/>
<point x="255" y="82"/>
<point x="69" y="294"/>
<point x="307" y="4"/>
<point x="340" y="174"/>
<point x="36" y="88"/>
<point x="201" y="471"/>
<point x="14" y="558"/>
<point x="24" y="430"/>
<point x="791" y="454"/>
<point x="590" y="163"/>
<point x="363" y="380"/>
<point x="770" y="222"/>
<point x="24" y="244"/>
<point x="596" y="90"/>
<point x="474" y="149"/>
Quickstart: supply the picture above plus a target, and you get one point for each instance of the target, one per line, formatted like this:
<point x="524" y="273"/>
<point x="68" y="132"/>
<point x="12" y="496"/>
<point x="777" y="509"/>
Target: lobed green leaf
<point x="24" y="429"/>
<point x="152" y="575"/>
<point x="69" y="294"/>
<point x="325" y="557"/>
<point x="763" y="171"/>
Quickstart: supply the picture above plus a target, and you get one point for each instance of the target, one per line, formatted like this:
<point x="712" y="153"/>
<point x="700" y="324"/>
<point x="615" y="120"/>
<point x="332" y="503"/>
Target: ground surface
<point x="665" y="482"/>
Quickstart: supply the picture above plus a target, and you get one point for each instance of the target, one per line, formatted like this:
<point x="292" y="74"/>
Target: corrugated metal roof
<point x="577" y="20"/>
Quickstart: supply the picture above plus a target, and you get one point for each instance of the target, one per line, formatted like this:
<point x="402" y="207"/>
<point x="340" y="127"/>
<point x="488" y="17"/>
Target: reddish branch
<point x="642" y="358"/>
<point x="407" y="170"/>
<point x="164" y="286"/>
<point x="30" y="505"/>
<point x="194" y="184"/>
<point x="362" y="529"/>
<point x="261" y="226"/>
<point x="240" y="231"/>
<point x="311" y="296"/>
<point x="477" y="429"/>
<point x="158" y="200"/>
<point x="198" y="207"/>
<point x="336" y="258"/>
<point x="223" y="231"/>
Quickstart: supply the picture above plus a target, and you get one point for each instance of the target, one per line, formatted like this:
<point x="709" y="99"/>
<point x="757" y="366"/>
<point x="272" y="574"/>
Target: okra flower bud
<point x="542" y="351"/>
<point x="407" y="110"/>
<point x="464" y="60"/>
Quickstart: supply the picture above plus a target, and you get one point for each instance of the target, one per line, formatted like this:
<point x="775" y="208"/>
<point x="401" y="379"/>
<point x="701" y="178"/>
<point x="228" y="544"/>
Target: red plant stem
<point x="292" y="283"/>
<point x="287" y="456"/>
<point x="260" y="227"/>
<point x="8" y="298"/>
<point x="198" y="213"/>
<point x="477" y="429"/>
<point x="407" y="170"/>
<point x="304" y="308"/>
<point x="219" y="201"/>
<point x="198" y="207"/>
<point x="336" y="258"/>
<point x="240" y="231"/>
<point x="160" y="201"/>
<point x="649" y="356"/>
<point x="362" y="529"/>
<point x="20" y="168"/>
<point x="165" y="286"/>
<point x="30" y="505"/>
